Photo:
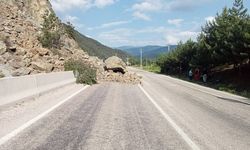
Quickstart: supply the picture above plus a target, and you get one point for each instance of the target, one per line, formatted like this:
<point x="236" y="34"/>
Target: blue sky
<point x="139" y="22"/>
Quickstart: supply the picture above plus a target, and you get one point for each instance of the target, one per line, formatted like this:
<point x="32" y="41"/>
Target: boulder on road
<point x="115" y="64"/>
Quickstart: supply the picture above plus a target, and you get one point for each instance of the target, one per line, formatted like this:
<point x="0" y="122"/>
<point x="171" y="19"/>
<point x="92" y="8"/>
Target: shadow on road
<point x="233" y="101"/>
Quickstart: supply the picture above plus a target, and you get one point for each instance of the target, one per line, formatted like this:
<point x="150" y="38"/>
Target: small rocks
<point x="21" y="52"/>
<point x="3" y="48"/>
<point x="19" y="29"/>
<point x="7" y="56"/>
<point x="1" y="28"/>
<point x="128" y="78"/>
<point x="12" y="48"/>
<point x="61" y="58"/>
<point x="2" y="60"/>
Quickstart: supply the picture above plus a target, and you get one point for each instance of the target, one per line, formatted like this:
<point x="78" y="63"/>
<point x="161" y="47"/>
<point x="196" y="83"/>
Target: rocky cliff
<point x="33" y="9"/>
<point x="21" y="53"/>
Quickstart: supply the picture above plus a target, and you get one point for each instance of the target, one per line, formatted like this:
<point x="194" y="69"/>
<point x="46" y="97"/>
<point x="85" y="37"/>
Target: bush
<point x="84" y="73"/>
<point x="50" y="40"/>
<point x="70" y="30"/>
<point x="51" y="33"/>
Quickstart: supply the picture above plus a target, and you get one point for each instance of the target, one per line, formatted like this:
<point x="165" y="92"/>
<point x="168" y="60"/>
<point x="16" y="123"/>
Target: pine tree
<point x="228" y="35"/>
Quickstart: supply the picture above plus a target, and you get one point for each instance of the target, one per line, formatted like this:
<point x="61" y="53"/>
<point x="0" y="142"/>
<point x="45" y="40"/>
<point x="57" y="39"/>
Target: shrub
<point x="70" y="29"/>
<point x="50" y="40"/>
<point x="83" y="72"/>
<point x="51" y="33"/>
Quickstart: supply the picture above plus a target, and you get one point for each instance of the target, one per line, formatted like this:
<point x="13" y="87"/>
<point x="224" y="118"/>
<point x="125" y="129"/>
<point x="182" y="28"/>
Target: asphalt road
<point x="163" y="113"/>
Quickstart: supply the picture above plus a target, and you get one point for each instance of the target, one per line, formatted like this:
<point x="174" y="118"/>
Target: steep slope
<point x="95" y="48"/>
<point x="33" y="40"/>
<point x="21" y="53"/>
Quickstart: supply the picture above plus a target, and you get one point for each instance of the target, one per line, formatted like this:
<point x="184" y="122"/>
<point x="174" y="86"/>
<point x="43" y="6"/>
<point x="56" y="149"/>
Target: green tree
<point x="228" y="35"/>
<point x="51" y="33"/>
<point x="202" y="57"/>
<point x="185" y="53"/>
<point x="70" y="29"/>
<point x="84" y="73"/>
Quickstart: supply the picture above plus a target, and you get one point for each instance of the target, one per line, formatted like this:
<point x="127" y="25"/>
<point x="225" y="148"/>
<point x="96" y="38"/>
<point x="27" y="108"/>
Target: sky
<point x="139" y="22"/>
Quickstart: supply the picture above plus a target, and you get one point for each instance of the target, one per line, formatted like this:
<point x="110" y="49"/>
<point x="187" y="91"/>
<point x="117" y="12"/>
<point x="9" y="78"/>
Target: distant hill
<point x="95" y="48"/>
<point x="151" y="51"/>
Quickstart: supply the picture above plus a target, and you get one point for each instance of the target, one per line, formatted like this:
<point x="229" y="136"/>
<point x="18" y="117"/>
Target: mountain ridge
<point x="96" y="48"/>
<point x="149" y="51"/>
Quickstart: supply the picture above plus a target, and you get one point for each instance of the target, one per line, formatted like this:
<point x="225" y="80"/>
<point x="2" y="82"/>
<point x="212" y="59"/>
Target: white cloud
<point x="141" y="9"/>
<point x="176" y="22"/>
<point x="69" y="18"/>
<point x="210" y="19"/>
<point x="175" y="36"/>
<point x="184" y="5"/>
<point x="147" y="6"/>
<point x="103" y="3"/>
<point x="67" y="5"/>
<point x="144" y="7"/>
<point x="141" y="16"/>
<point x="162" y="36"/>
<point x="74" y="20"/>
<point x="115" y="23"/>
<point x="109" y="25"/>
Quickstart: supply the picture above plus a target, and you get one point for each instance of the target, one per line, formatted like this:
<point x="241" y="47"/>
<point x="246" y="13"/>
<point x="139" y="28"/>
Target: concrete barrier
<point x="13" y="89"/>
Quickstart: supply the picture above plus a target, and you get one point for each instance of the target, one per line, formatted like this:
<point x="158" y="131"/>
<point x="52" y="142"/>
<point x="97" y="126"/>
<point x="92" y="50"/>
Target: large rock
<point x="3" y="48"/>
<point x="115" y="64"/>
<point x="42" y="51"/>
<point x="1" y="74"/>
<point x="16" y="63"/>
<point x="42" y="66"/>
<point x="21" y="72"/>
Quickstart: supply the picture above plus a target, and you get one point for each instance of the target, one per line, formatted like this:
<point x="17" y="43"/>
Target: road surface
<point x="163" y="113"/>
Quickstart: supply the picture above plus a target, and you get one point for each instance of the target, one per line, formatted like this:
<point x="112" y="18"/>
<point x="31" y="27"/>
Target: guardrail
<point x="13" y="89"/>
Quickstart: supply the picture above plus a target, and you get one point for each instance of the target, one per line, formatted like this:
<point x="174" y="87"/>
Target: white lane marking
<point x="172" y="123"/>
<point x="145" y="82"/>
<point x="32" y="121"/>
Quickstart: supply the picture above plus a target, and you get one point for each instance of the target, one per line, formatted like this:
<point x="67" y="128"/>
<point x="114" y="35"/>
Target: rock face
<point x="115" y="64"/>
<point x="21" y="53"/>
<point x="35" y="9"/>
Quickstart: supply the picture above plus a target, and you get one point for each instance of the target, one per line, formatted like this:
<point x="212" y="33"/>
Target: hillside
<point x="95" y="48"/>
<point x="25" y="47"/>
<point x="151" y="51"/>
